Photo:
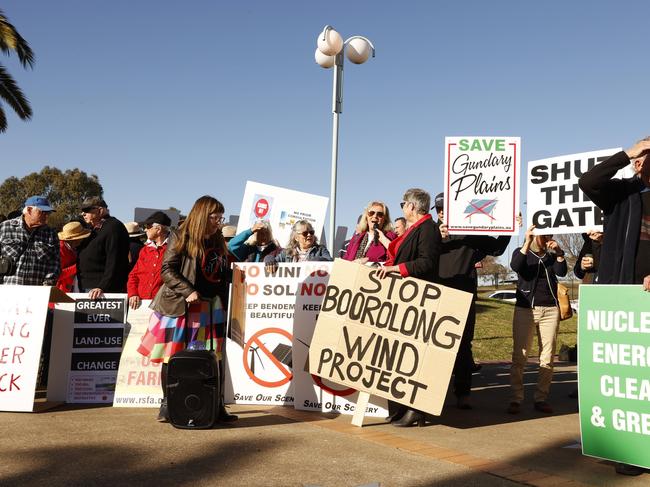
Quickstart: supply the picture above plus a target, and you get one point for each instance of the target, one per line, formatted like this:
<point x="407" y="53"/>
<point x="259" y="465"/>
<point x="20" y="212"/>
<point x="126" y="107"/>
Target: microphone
<point x="376" y="239"/>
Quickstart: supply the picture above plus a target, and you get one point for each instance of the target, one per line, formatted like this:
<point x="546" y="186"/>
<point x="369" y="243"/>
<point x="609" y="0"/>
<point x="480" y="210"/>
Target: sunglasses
<point x="380" y="214"/>
<point x="401" y="205"/>
<point x="307" y="233"/>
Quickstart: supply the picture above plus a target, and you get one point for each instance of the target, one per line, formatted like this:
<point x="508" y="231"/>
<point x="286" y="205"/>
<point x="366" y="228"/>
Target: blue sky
<point x="167" y="101"/>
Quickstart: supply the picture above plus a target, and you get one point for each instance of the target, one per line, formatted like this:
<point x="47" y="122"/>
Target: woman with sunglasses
<point x="303" y="246"/>
<point x="187" y="308"/>
<point x="374" y="234"/>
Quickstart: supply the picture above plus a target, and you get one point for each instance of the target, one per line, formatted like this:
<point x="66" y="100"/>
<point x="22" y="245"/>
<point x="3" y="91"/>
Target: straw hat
<point x="73" y="231"/>
<point x="229" y="231"/>
<point x="134" y="229"/>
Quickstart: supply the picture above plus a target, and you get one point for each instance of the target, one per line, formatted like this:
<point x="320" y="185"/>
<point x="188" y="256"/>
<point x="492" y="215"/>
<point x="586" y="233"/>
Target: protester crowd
<point x="186" y="271"/>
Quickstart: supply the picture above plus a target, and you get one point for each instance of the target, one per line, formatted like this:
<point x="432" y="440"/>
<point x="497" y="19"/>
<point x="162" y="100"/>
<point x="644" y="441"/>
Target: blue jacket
<point x="316" y="253"/>
<point x="248" y="253"/>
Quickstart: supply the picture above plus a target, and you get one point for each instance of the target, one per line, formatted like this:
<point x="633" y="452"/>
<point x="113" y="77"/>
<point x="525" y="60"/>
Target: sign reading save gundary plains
<point x="395" y="338"/>
<point x="613" y="379"/>
<point x="482" y="185"/>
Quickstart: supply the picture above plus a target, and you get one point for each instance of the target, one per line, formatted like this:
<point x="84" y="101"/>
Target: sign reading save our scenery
<point x="272" y="322"/>
<point x="395" y="338"/>
<point x="556" y="204"/>
<point x="482" y="185"/>
<point x="613" y="362"/>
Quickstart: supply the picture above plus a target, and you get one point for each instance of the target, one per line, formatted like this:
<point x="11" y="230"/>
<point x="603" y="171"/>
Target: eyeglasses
<point x="307" y="233"/>
<point x="401" y="205"/>
<point x="380" y="214"/>
<point x="217" y="218"/>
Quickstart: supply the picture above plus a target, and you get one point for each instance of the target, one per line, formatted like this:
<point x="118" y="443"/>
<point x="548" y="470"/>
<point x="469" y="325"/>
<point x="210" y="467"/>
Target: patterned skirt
<point x="167" y="335"/>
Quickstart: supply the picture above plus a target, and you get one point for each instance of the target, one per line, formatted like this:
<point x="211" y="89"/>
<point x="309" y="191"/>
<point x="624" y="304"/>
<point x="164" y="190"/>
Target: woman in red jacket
<point x="70" y="237"/>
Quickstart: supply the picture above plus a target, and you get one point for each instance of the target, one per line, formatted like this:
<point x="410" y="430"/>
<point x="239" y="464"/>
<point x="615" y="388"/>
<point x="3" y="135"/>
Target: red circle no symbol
<point x="334" y="392"/>
<point x="261" y="208"/>
<point x="255" y="341"/>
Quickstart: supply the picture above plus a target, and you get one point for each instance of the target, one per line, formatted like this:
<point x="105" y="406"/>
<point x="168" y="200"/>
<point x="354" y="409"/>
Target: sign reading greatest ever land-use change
<point x="555" y="202"/>
<point x="613" y="379"/>
<point x="395" y="338"/>
<point x="282" y="208"/>
<point x="482" y="185"/>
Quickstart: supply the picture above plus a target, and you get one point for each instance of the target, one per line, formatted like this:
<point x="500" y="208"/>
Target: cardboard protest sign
<point x="613" y="379"/>
<point x="23" y="310"/>
<point x="482" y="185"/>
<point x="86" y="346"/>
<point x="282" y="208"/>
<point x="395" y="338"/>
<point x="138" y="379"/>
<point x="555" y="202"/>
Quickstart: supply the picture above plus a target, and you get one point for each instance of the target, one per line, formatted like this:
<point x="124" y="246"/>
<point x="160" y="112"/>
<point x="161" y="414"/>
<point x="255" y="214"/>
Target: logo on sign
<point x="261" y="208"/>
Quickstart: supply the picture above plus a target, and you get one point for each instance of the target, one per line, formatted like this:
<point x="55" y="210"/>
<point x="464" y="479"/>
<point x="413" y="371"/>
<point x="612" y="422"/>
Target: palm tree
<point x="11" y="40"/>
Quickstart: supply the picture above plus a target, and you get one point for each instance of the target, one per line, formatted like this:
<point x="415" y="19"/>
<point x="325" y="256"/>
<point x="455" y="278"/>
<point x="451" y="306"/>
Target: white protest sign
<point x="86" y="346"/>
<point x="555" y="202"/>
<point x="482" y="185"/>
<point x="396" y="337"/>
<point x="282" y="208"/>
<point x="23" y="310"/>
<point x="138" y="379"/>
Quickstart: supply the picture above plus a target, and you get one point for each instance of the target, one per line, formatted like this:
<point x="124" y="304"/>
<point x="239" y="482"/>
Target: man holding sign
<point x="626" y="207"/>
<point x="413" y="254"/>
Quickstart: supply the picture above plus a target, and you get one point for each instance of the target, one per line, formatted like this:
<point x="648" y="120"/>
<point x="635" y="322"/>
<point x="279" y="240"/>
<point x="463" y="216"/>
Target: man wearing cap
<point x="29" y="249"/>
<point x="103" y="265"/>
<point x="458" y="256"/>
<point x="144" y="278"/>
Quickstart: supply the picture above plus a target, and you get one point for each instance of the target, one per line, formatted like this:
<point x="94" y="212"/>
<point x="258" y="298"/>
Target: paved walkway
<point x="96" y="446"/>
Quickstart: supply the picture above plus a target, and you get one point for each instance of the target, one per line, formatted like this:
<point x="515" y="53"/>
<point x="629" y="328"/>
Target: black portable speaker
<point x="193" y="389"/>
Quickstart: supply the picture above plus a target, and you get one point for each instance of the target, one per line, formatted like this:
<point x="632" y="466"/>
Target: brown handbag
<point x="563" y="302"/>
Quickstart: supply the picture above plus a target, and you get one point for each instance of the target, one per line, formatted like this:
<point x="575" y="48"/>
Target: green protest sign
<point x="613" y="373"/>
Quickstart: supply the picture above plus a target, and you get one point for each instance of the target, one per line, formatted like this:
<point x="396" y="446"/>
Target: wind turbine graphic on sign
<point x="480" y="207"/>
<point x="254" y="351"/>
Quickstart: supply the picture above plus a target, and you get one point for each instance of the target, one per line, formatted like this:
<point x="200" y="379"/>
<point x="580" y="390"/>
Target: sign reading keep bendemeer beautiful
<point x="395" y="338"/>
<point x="482" y="185"/>
<point x="613" y="379"/>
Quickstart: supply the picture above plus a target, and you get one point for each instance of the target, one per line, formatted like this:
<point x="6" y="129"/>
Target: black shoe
<point x="411" y="417"/>
<point x="225" y="416"/>
<point x="397" y="415"/>
<point x="625" y="469"/>
<point x="163" y="412"/>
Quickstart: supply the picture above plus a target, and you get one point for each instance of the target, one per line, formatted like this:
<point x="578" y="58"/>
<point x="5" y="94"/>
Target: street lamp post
<point x="330" y="53"/>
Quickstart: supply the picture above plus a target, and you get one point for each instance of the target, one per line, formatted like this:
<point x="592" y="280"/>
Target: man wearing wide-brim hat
<point x="70" y="237"/>
<point x="135" y="242"/>
<point x="103" y="265"/>
<point x="29" y="248"/>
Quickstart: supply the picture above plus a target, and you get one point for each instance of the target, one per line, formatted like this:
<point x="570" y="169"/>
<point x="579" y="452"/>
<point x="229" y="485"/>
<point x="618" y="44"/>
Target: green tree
<point x="10" y="93"/>
<point x="491" y="267"/>
<point x="65" y="190"/>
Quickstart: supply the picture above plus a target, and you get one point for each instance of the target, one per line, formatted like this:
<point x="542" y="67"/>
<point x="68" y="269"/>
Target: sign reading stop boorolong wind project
<point x="482" y="185"/>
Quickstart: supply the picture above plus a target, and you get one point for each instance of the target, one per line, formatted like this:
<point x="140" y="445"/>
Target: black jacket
<point x="419" y="251"/>
<point x="620" y="201"/>
<point x="527" y="268"/>
<point x="104" y="258"/>
<point x="459" y="254"/>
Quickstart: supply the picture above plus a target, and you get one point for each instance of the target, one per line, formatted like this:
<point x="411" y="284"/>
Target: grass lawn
<point x="493" y="333"/>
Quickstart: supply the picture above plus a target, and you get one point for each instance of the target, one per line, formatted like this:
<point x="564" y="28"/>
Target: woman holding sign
<point x="537" y="264"/>
<point x="194" y="271"/>
<point x="374" y="235"/>
<point x="414" y="254"/>
<point x="303" y="247"/>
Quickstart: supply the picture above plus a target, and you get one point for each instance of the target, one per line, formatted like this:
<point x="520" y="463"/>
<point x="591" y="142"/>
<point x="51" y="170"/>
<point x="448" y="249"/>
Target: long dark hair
<point x="192" y="233"/>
